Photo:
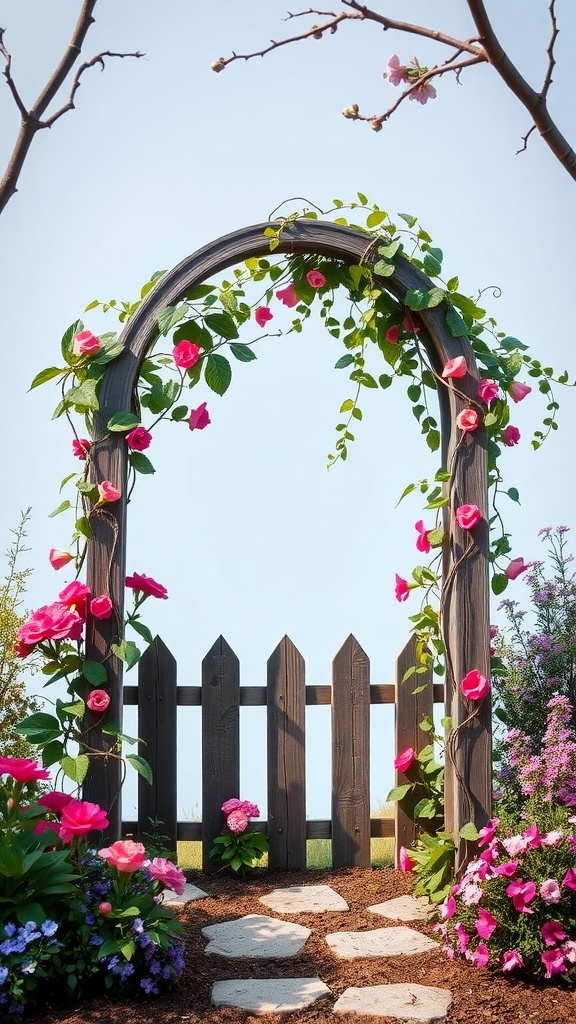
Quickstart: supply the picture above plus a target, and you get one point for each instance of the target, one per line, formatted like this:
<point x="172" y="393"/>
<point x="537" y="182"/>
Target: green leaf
<point x="455" y="324"/>
<point x="83" y="396"/>
<point x="141" y="766"/>
<point x="511" y="343"/>
<point x="513" y="494"/>
<point x="384" y="380"/>
<point x="142" y="631"/>
<point x="83" y="527"/>
<point x="222" y="324"/>
<point x="122" y="422"/>
<point x="375" y="218"/>
<point x="51" y="753"/>
<point x="407" y="490"/>
<point x="75" y="768"/>
<point x="344" y="361"/>
<point x="453" y="284"/>
<point x="390" y="250"/>
<point x="45" y="375"/>
<point x="383" y="269"/>
<point x="66" y="343"/>
<point x="200" y="291"/>
<point x="170" y="316"/>
<point x="399" y="792"/>
<point x="217" y="373"/>
<point x="243" y="353"/>
<point x="127" y="651"/>
<point x="433" y="440"/>
<point x="179" y="413"/>
<point x="95" y="673"/>
<point x="432" y="266"/>
<point x="467" y="306"/>
<point x="408" y="219"/>
<point x="435" y="537"/>
<point x="40" y="722"/>
<point x="61" y="508"/>
<point x="499" y="583"/>
<point x="366" y="379"/>
<point x="141" y="463"/>
<point x="469" y="831"/>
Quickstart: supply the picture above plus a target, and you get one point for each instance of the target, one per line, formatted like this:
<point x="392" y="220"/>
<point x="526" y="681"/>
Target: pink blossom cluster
<point x="504" y="866"/>
<point x="398" y="73"/>
<point x="63" y="619"/>
<point x="552" y="773"/>
<point x="238" y="814"/>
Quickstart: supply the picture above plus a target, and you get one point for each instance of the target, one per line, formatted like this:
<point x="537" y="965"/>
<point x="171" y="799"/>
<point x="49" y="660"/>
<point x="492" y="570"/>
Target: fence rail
<point x="285" y="697"/>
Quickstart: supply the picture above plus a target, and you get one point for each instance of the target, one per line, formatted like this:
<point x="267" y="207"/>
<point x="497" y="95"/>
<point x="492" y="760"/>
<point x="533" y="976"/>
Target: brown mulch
<point x="479" y="996"/>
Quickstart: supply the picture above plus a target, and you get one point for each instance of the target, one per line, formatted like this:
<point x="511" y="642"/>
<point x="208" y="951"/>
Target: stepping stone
<point x="191" y="892"/>
<point x="302" y="899"/>
<point x="408" y="1003"/>
<point x="380" y="942"/>
<point x="403" y="908"/>
<point x="255" y="936"/>
<point x="269" y="995"/>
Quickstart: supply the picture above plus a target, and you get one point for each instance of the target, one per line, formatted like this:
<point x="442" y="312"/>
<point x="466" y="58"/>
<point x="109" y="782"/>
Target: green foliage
<point x="240" y="851"/>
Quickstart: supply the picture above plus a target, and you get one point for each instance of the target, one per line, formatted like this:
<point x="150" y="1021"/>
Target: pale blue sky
<point x="242" y="522"/>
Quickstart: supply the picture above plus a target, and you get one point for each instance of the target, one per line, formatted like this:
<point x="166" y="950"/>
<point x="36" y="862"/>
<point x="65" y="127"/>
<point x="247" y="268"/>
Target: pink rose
<point x="392" y="334"/>
<point x="510" y="436"/>
<point x="422" y="93"/>
<point x="485" y="924"/>
<point x="186" y="354"/>
<point x="405" y="759"/>
<point x="124" y="855"/>
<point x="107" y="491"/>
<point x="251" y="810"/>
<point x="422" y="543"/>
<point x="146" y="585"/>
<point x="550" y="891"/>
<point x="475" y="686"/>
<point x="237" y="821"/>
<point x="487" y="390"/>
<point x="552" y="932"/>
<point x="101" y="607"/>
<point x="22" y="769"/>
<point x="51" y="622"/>
<point x="139" y="439"/>
<point x="80" y="447"/>
<point x="468" y="420"/>
<point x="199" y="417"/>
<point x="85" y="344"/>
<point x="455" y="367"/>
<point x="80" y="817"/>
<point x="262" y="315"/>
<point x="288" y="296"/>
<point x="402" y="590"/>
<point x="167" y="873"/>
<point x="315" y="279"/>
<point x="104" y="908"/>
<point x="74" y="596"/>
<point x="515" y="567"/>
<point x="511" y="959"/>
<point x="98" y="700"/>
<point x="468" y="516"/>
<point x="405" y="862"/>
<point x="231" y="805"/>
<point x="554" y="962"/>
<point x="54" y="801"/>
<point x="59" y="558"/>
<point x="411" y="325"/>
<point x="518" y="391"/>
<point x="44" y="824"/>
<point x="395" y="71"/>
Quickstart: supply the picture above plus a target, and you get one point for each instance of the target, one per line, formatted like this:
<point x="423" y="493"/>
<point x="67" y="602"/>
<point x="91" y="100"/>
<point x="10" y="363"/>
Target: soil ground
<point x="479" y="996"/>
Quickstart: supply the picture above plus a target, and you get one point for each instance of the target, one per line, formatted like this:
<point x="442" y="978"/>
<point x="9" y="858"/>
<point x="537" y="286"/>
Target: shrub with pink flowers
<point x="514" y="909"/>
<point x="238" y="846"/>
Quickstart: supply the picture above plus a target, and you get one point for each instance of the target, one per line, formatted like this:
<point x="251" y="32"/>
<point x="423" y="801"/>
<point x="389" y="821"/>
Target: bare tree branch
<point x="32" y="119"/>
<point x="525" y="138"/>
<point x="485" y="47"/>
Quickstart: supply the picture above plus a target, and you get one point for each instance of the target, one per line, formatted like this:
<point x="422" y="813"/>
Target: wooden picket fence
<point x="285" y="696"/>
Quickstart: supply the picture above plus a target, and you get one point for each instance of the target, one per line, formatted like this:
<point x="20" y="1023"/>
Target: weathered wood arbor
<point x="465" y="597"/>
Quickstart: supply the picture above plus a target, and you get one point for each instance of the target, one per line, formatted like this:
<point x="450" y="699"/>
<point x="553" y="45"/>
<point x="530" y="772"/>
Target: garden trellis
<point x="465" y="584"/>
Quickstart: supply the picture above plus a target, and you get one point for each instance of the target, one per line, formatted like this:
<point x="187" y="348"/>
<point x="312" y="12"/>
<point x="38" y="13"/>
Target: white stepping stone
<point x="380" y="942"/>
<point x="403" y="908"/>
<point x="408" y="1003"/>
<point x="269" y="995"/>
<point x="301" y="899"/>
<point x="191" y="892"/>
<point x="255" y="936"/>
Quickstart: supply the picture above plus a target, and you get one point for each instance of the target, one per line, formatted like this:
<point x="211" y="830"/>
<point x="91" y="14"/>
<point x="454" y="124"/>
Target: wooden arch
<point x="465" y="596"/>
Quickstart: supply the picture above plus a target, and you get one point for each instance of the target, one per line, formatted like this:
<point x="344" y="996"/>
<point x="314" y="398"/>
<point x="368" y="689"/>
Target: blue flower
<point x="138" y="926"/>
<point x="90" y="919"/>
<point x="28" y="967"/>
<point x="3" y="974"/>
<point x="112" y="963"/>
<point x="96" y="940"/>
<point x="49" y="928"/>
<point x="127" y="970"/>
<point x="149" y="987"/>
<point x="154" y="967"/>
<point x="9" y="929"/>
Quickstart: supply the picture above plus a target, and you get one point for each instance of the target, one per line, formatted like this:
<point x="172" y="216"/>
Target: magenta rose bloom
<point x="146" y="585"/>
<point x="250" y="809"/>
<point x="58" y="558"/>
<point x="199" y="418"/>
<point x="108" y="492"/>
<point x="487" y="390"/>
<point x="510" y="436"/>
<point x="468" y="516"/>
<point x="475" y="686"/>
<point x="401" y="590"/>
<point x="262" y="315"/>
<point x="54" y="801"/>
<point x="518" y="391"/>
<point x="237" y="821"/>
<point x="315" y="279"/>
<point x="74" y="597"/>
<point x="392" y="335"/>
<point x="51" y="622"/>
<point x="98" y="700"/>
<point x="80" y="817"/>
<point x="124" y="855"/>
<point x="101" y="607"/>
<point x="288" y="296"/>
<point x="81" y="447"/>
<point x="139" y="439"/>
<point x="468" y="420"/>
<point x="422" y="543"/>
<point x="231" y="805"/>
<point x="84" y="343"/>
<point x="22" y="769"/>
<point x="455" y="367"/>
<point x="405" y="759"/>
<point x="515" y="567"/>
<point x="167" y="873"/>
<point x="186" y="354"/>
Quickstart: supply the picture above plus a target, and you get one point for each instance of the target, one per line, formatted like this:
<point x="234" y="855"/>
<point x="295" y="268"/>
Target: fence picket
<point x="351" y="756"/>
<point x="286" y="709"/>
<point x="157" y="689"/>
<point x="220" y="740"/>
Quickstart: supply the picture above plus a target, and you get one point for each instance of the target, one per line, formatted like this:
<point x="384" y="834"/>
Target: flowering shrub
<point x="237" y="846"/>
<point x="515" y="907"/>
<point x="73" y="919"/>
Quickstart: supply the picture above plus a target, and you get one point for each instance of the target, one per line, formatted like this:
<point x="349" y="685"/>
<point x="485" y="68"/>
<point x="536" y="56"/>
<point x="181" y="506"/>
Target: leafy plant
<point x="238" y="847"/>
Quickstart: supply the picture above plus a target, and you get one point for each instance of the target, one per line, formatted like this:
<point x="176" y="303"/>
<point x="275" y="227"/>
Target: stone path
<point x="258" y="936"/>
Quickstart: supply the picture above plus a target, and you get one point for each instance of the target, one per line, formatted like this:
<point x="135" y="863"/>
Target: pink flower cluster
<point x="63" y="619"/>
<point x="70" y="817"/>
<point x="398" y="73"/>
<point x="238" y="814"/>
<point x="504" y="867"/>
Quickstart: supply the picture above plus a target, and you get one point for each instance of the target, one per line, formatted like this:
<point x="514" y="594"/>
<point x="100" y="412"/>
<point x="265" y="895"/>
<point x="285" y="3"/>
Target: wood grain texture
<point x="157" y="729"/>
<point x="411" y="708"/>
<point x="351" y="756"/>
<point x="220" y="740"/>
<point x="466" y="598"/>
<point x="286" y="711"/>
